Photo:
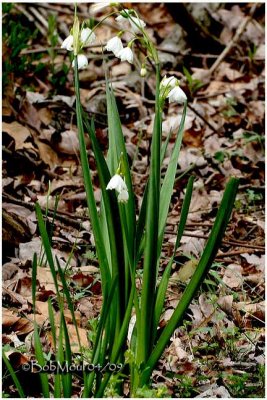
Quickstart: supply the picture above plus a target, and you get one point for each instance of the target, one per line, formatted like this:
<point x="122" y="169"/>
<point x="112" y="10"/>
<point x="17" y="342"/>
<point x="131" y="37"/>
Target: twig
<point x="237" y="243"/>
<point x="76" y="224"/>
<point x="63" y="11"/>
<point x="31" y="206"/>
<point x="30" y="18"/>
<point x="228" y="242"/>
<point x="234" y="40"/>
<point x="235" y="253"/>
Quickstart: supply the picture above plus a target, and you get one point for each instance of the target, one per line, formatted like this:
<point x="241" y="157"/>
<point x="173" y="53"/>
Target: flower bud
<point x="143" y="72"/>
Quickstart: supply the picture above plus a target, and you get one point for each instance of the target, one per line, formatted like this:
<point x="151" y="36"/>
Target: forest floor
<point x="217" y="51"/>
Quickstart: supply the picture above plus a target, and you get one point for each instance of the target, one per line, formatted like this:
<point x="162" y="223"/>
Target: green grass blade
<point x="112" y="216"/>
<point x="34" y="280"/>
<point x="41" y="361"/>
<point x="168" y="182"/>
<point x="141" y="226"/>
<point x="46" y="244"/>
<point x="151" y="245"/>
<point x="101" y="326"/>
<point x="52" y="323"/>
<point x="100" y="247"/>
<point x="13" y="376"/>
<point x="118" y="344"/>
<point x="205" y="262"/>
<point x="161" y="292"/>
<point x="67" y="378"/>
<point x="164" y="147"/>
<point x="142" y="215"/>
<point x="68" y="298"/>
<point x="184" y="212"/>
<point x="116" y="148"/>
<point x="57" y="385"/>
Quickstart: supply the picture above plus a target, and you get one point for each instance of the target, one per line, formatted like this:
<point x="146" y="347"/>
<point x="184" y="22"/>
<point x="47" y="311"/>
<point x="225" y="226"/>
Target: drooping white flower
<point x="177" y="95"/>
<point x="123" y="196"/>
<point x="121" y="19"/>
<point x="82" y="61"/>
<point x="126" y="54"/>
<point x="118" y="183"/>
<point x="87" y="36"/>
<point x="68" y="43"/>
<point x="115" y="45"/>
<point x="136" y="24"/>
<point x="169" y="82"/>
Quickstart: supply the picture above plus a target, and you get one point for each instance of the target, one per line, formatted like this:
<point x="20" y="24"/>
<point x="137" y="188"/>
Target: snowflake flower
<point x="177" y="95"/>
<point x="115" y="45"/>
<point x="118" y="183"/>
<point x="170" y="82"/>
<point x="126" y="54"/>
<point x="87" y="36"/>
<point x="68" y="43"/>
<point x="82" y="61"/>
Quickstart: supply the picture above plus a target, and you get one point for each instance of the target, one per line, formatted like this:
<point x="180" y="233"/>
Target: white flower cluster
<point x="115" y="44"/>
<point x="87" y="37"/>
<point x="170" y="89"/>
<point x="118" y="183"/>
<point x="124" y="53"/>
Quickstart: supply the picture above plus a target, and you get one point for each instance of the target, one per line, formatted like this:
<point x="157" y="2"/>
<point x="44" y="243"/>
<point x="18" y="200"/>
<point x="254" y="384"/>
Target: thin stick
<point x="234" y="40"/>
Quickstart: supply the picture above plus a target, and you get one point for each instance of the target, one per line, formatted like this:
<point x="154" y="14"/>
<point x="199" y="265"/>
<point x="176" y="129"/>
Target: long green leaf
<point x="165" y="277"/>
<point x="66" y="378"/>
<point x="57" y="387"/>
<point x="13" y="376"/>
<point x="100" y="247"/>
<point x="101" y="326"/>
<point x="47" y="246"/>
<point x="34" y="280"/>
<point x="205" y="263"/>
<point x="151" y="244"/>
<point x="41" y="361"/>
<point x="142" y="215"/>
<point x="116" y="148"/>
<point x="168" y="182"/>
<point x="112" y="215"/>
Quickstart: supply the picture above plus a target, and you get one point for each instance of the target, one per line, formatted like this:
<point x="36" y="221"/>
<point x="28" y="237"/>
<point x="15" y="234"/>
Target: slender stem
<point x="151" y="232"/>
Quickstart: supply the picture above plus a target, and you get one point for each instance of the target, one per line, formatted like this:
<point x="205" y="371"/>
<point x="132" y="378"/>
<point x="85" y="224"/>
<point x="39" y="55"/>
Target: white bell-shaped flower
<point x="118" y="183"/>
<point x="126" y="54"/>
<point x="82" y="61"/>
<point x="169" y="82"/>
<point x="177" y="95"/>
<point x="68" y="43"/>
<point x="123" y="196"/>
<point x="115" y="45"/>
<point x="87" y="36"/>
